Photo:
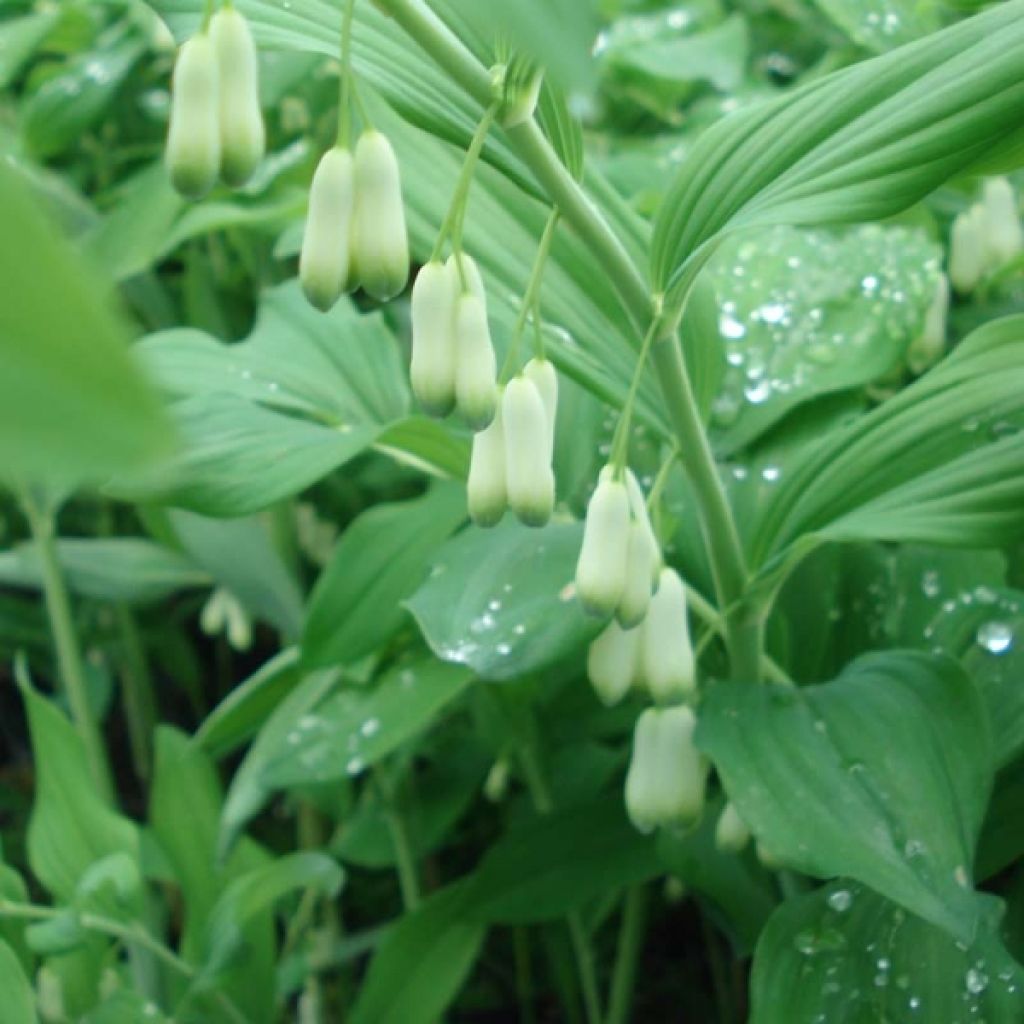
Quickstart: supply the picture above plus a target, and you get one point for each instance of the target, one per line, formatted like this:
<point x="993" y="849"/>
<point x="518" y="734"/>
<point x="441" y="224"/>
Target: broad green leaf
<point x="942" y="462"/>
<point x="381" y="559"/>
<point x="800" y="313"/>
<point x="73" y="405"/>
<point x="1001" y="841"/>
<point x="882" y="775"/>
<point x="256" y="892"/>
<point x="19" y="38"/>
<point x="126" y="1007"/>
<point x="108" y="569"/>
<point x="858" y="144"/>
<point x="354" y="728"/>
<point x="422" y="962"/>
<point x="237" y="718"/>
<point x="551" y="865"/>
<point x="846" y="955"/>
<point x="502" y="601"/>
<point x="19" y="999"/>
<point x="882" y="24"/>
<point x="71" y="826"/>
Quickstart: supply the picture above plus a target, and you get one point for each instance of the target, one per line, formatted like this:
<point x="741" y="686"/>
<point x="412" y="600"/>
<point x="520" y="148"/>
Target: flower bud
<point x="380" y="245"/>
<point x="967" y="249"/>
<point x="467" y="276"/>
<point x="545" y="379"/>
<point x="193" y="135"/>
<point x="601" y="569"/>
<point x="928" y="347"/>
<point x="1004" y="237"/>
<point x="433" y="341"/>
<point x="768" y="859"/>
<point x="667" y="774"/>
<point x="636" y="597"/>
<point x="638" y="510"/>
<point x="476" y="369"/>
<point x="242" y="136"/>
<point x="666" y="657"/>
<point x="486" y="484"/>
<point x="612" y="662"/>
<point x="324" y="263"/>
<point x="731" y="833"/>
<point x="528" y="474"/>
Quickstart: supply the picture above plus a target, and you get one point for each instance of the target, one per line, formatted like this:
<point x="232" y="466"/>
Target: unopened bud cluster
<point x="986" y="236"/>
<point x="355" y="227"/>
<point x="216" y="126"/>
<point x="646" y="645"/>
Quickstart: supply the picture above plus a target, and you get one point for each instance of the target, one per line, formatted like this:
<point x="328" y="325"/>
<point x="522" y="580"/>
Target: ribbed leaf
<point x="859" y="144"/>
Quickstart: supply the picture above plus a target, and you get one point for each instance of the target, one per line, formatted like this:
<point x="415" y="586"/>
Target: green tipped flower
<point x="1004" y="238"/>
<point x="601" y="569"/>
<point x="731" y="833"/>
<point x="324" y="263"/>
<point x="242" y="136"/>
<point x="638" y="509"/>
<point x="433" y="341"/>
<point x="193" y="135"/>
<point x="476" y="369"/>
<point x="666" y="656"/>
<point x="528" y="474"/>
<point x="667" y="774"/>
<point x="930" y="345"/>
<point x="636" y="596"/>
<point x="612" y="662"/>
<point x="486" y="485"/>
<point x="545" y="379"/>
<point x="967" y="249"/>
<point x="380" y="244"/>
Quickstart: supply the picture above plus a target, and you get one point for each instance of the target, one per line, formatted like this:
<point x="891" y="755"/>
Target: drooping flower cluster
<point x="216" y="126"/>
<point x="986" y="236"/>
<point x="355" y="228"/>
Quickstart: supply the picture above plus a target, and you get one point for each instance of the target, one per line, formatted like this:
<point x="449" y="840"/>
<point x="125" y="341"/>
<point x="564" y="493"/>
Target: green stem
<point x="345" y="96"/>
<point x="136" y="691"/>
<point x="743" y="632"/>
<point x="620" y="442"/>
<point x="69" y="655"/>
<point x="524" y="978"/>
<point x="719" y="974"/>
<point x="405" y="860"/>
<point x="631" y="936"/>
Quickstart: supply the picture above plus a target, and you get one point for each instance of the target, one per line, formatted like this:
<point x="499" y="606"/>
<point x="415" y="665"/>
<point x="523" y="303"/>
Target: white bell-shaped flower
<point x="476" y="368"/>
<point x="612" y="662"/>
<point x="486" y="490"/>
<point x="529" y="479"/>
<point x="324" y="262"/>
<point x="545" y="379"/>
<point x="432" y="370"/>
<point x="602" y="566"/>
<point x="667" y="662"/>
<point x="731" y="832"/>
<point x="1005" y="237"/>
<point x="193" y="135"/>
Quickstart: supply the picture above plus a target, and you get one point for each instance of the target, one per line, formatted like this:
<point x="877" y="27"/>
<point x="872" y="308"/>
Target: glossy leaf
<point x="502" y="601"/>
<point x="846" y="955"/>
<point x="882" y="775"/>
<point x="380" y="560"/>
<point x="421" y="963"/>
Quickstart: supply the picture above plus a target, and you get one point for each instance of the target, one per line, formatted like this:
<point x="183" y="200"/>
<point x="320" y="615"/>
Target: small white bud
<point x="476" y="368"/>
<point x="242" y="135"/>
<point x="1004" y="236"/>
<point x="485" y="488"/>
<point x="193" y="135"/>
<point x="967" y="258"/>
<point x="380" y="244"/>
<point x="930" y="344"/>
<point x="636" y="597"/>
<point x="432" y="370"/>
<point x="545" y="379"/>
<point x="731" y="833"/>
<point x="601" y="569"/>
<point x="638" y="509"/>
<point x="667" y="666"/>
<point x="496" y="783"/>
<point x="528" y="474"/>
<point x="612" y="662"/>
<point x="324" y="264"/>
<point x="467" y="276"/>
<point x="667" y="774"/>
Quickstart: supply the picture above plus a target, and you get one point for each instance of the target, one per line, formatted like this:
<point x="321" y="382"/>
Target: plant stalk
<point x="631" y="937"/>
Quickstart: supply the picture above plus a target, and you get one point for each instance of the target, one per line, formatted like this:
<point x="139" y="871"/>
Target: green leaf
<point x="71" y="826"/>
<point x="799" y="313"/>
<point x="108" y="569"/>
<point x="73" y="406"/>
<point x="422" y="963"/>
<point x="255" y="892"/>
<point x="882" y="24"/>
<point x="19" y="38"/>
<point x="381" y="559"/>
<point x="882" y="775"/>
<point x="551" y="865"/>
<point x="846" y="955"/>
<point x="352" y="729"/>
<point x="940" y="463"/>
<point x="502" y="601"/>
<point x="19" y="999"/>
<point x="858" y="144"/>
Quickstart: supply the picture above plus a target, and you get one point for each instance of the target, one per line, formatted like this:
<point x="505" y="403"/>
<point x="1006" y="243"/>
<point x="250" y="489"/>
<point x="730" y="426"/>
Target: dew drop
<point x="840" y="900"/>
<point x="976" y="981"/>
<point x="995" y="637"/>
